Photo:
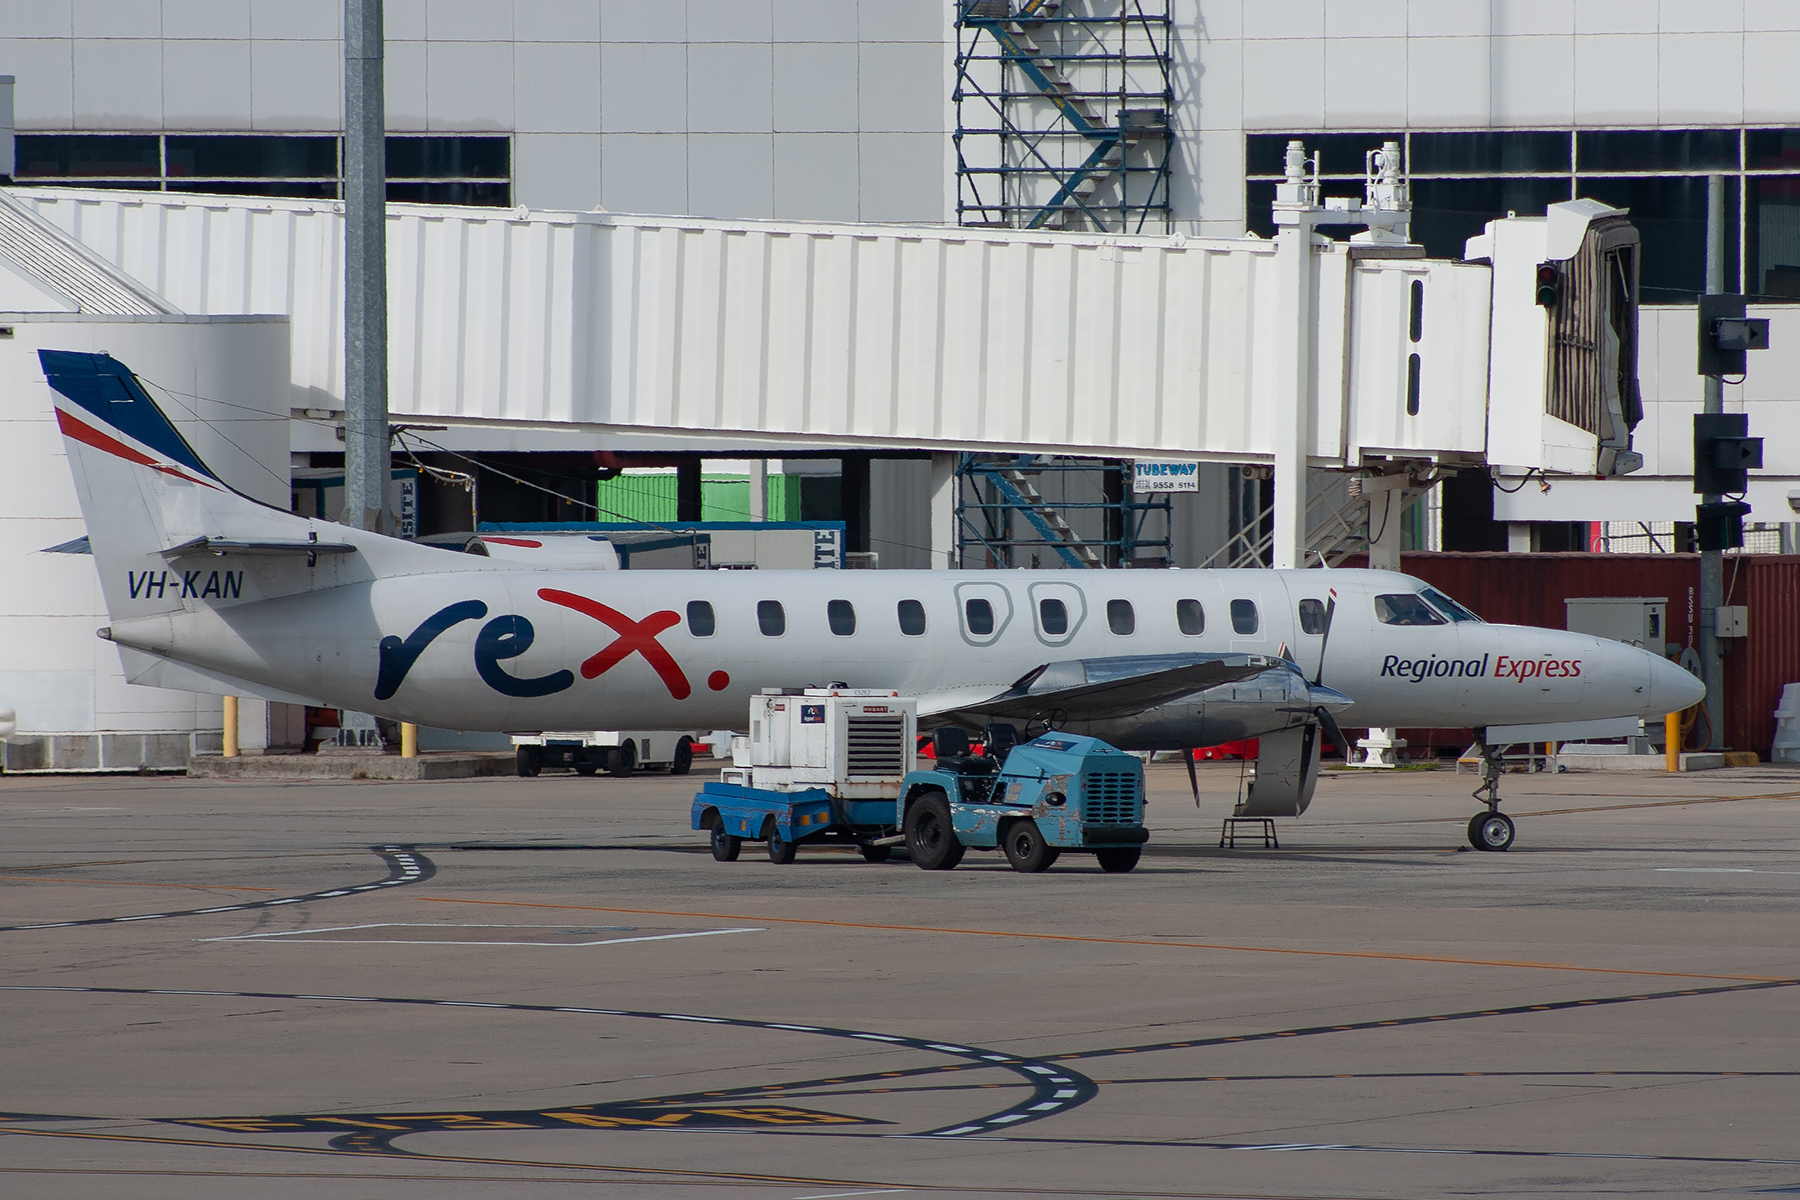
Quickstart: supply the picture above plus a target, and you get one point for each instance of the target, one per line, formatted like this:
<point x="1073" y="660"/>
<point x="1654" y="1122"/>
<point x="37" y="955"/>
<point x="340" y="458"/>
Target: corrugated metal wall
<point x="1529" y="589"/>
<point x="875" y="335"/>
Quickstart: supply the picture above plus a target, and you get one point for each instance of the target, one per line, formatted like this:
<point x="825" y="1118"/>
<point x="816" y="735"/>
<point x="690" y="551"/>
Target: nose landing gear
<point x="1493" y="829"/>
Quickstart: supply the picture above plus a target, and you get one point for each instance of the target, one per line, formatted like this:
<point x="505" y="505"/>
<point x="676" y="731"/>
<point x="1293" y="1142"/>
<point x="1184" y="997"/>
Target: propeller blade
<point x="1329" y="724"/>
<point x="1325" y="638"/>
<point x="1193" y="776"/>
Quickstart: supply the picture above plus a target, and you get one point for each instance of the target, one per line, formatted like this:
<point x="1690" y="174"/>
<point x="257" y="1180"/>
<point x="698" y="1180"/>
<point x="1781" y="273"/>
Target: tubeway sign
<point x="1165" y="476"/>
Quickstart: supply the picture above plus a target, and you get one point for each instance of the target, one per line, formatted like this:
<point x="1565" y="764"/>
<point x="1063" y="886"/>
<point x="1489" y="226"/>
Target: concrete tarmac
<point x="547" y="987"/>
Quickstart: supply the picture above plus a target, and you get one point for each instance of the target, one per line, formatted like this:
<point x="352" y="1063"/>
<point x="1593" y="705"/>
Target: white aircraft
<point x="208" y="590"/>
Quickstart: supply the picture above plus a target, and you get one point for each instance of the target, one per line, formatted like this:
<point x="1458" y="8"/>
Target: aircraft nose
<point x="1332" y="700"/>
<point x="1672" y="687"/>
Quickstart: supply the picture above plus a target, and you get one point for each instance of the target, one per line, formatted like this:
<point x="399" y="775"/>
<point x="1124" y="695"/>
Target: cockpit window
<point x="1405" y="609"/>
<point x="1449" y="607"/>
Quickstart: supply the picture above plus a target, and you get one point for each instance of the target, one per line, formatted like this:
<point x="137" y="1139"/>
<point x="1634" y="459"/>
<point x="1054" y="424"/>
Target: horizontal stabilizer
<point x="212" y="545"/>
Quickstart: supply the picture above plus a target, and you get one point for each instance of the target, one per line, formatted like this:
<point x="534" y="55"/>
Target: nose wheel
<point x="1493" y="829"/>
<point x="1490" y="831"/>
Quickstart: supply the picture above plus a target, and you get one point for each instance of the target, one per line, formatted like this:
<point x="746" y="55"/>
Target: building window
<point x="1119" y="617"/>
<point x="771" y="618"/>
<point x="700" y="618"/>
<point x="1462" y="180"/>
<point x="436" y="169"/>
<point x="840" y="615"/>
<point x="912" y="618"/>
<point x="1190" y="617"/>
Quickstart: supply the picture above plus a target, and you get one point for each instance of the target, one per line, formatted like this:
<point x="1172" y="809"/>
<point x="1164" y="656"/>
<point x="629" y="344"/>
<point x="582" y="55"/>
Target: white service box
<point x="1640" y="620"/>
<point x="855" y="743"/>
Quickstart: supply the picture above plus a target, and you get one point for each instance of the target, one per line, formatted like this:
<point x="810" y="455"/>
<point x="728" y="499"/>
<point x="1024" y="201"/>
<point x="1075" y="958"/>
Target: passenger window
<point x="1191" y="617"/>
<point x="912" y="618"/>
<point x="1120" y="618"/>
<point x="841" y="616"/>
<point x="1405" y="609"/>
<point x="771" y="618"/>
<point x="1312" y="617"/>
<point x="1053" y="616"/>
<point x="1244" y="618"/>
<point x="700" y="618"/>
<point x="980" y="616"/>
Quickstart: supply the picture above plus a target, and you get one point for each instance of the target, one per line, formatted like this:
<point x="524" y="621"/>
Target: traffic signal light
<point x="1726" y="334"/>
<point x="1549" y="283"/>
<point x="1724" y="454"/>
<point x="1720" y="526"/>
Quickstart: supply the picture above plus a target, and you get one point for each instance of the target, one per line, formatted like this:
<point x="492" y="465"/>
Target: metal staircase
<point x="1337" y="527"/>
<point x="1034" y="145"/>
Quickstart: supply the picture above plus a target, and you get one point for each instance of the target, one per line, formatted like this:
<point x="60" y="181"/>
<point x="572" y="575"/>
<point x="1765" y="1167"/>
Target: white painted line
<point x="796" y="1028"/>
<point x="306" y="936"/>
<point x="1724" y="871"/>
<point x="1711" y="870"/>
<point x="835" y="1195"/>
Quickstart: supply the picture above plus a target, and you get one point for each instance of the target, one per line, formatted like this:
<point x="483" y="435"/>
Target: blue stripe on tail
<point x="107" y="390"/>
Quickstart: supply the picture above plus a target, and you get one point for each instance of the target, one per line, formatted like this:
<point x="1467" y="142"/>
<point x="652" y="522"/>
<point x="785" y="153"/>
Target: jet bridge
<point x="1301" y="351"/>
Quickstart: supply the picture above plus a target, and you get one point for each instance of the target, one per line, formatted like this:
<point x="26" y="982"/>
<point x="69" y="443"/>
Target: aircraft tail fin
<point x="167" y="533"/>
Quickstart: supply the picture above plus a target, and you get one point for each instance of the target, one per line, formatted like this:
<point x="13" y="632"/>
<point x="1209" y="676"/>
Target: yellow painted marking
<point x="1386" y="956"/>
<point x="445" y="1158"/>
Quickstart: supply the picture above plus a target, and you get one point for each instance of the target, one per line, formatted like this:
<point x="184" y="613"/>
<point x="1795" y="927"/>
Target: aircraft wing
<point x="1099" y="689"/>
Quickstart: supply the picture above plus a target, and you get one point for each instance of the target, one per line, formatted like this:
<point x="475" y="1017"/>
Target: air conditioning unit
<point x="855" y="743"/>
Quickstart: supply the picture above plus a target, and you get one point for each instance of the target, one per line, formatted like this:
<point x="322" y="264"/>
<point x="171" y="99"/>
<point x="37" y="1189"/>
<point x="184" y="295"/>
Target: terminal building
<point x="174" y="166"/>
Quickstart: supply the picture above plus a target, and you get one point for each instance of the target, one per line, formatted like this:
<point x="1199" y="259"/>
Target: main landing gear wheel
<point x="1120" y="860"/>
<point x="724" y="847"/>
<point x="875" y="854"/>
<point x="781" y="853"/>
<point x="623" y="760"/>
<point x="1026" y="848"/>
<point x="1490" y="831"/>
<point x="528" y="762"/>
<point x="684" y="757"/>
<point x="930" y="837"/>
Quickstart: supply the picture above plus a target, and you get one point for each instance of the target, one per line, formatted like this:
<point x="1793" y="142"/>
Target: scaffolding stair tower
<point x="995" y="496"/>
<point x="1071" y="64"/>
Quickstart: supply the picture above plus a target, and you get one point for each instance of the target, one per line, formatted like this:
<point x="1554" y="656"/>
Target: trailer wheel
<point x="1026" y="848"/>
<point x="930" y="836"/>
<point x="1119" y="859"/>
<point x="623" y="760"/>
<point x="585" y="768"/>
<point x="781" y="852"/>
<point x="528" y="762"/>
<point x="724" y="847"/>
<point x="876" y="854"/>
<point x="684" y="757"/>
